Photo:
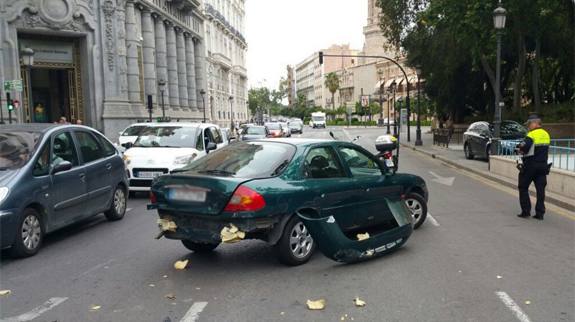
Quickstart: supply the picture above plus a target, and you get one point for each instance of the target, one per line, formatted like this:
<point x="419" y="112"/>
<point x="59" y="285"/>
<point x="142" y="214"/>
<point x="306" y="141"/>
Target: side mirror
<point x="211" y="147"/>
<point x="61" y="167"/>
<point x="128" y="145"/>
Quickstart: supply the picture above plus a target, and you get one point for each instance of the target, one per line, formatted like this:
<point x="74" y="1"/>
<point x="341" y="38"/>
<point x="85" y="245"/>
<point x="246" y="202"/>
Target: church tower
<point x="375" y="42"/>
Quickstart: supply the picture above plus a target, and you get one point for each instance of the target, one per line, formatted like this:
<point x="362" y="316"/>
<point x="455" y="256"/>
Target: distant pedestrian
<point x="63" y="120"/>
<point x="534" y="167"/>
<point x="79" y="122"/>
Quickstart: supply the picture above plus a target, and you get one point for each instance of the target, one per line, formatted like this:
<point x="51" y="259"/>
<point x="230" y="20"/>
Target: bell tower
<point x="375" y="43"/>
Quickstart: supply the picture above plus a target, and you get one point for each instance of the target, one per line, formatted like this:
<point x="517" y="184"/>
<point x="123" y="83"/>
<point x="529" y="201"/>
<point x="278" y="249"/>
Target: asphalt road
<point x="472" y="261"/>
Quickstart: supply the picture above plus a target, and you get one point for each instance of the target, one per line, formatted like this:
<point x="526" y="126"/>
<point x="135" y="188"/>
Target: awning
<point x="388" y="82"/>
<point x="378" y="85"/>
<point x="413" y="80"/>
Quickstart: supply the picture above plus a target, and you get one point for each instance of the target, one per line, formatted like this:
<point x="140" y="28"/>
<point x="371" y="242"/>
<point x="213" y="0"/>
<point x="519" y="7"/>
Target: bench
<point x="442" y="137"/>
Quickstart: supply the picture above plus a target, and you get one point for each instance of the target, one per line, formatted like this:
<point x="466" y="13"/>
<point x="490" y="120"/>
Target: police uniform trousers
<point x="536" y="173"/>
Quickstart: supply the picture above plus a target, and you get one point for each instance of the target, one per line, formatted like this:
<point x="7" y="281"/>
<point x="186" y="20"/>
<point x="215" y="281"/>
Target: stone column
<point x="149" y="54"/>
<point x="200" y="56"/>
<point x="121" y="50"/>
<point x="172" y="65"/>
<point x="191" y="68"/>
<point x="132" y="43"/>
<point x="161" y="57"/>
<point x="182" y="70"/>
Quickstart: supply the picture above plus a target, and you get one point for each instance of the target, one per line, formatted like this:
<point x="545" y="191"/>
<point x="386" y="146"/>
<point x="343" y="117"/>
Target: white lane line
<point x="129" y="209"/>
<point x="346" y="134"/>
<point x="194" y="312"/>
<point x="95" y="268"/>
<point x="510" y="304"/>
<point x="29" y="316"/>
<point x="432" y="220"/>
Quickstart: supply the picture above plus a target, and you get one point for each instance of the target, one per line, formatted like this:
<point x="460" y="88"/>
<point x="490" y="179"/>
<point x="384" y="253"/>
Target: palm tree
<point x="332" y="83"/>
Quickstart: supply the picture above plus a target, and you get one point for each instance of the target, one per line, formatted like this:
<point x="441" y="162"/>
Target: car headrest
<point x="319" y="161"/>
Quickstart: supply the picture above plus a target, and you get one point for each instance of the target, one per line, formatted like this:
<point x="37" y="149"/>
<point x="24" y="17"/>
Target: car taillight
<point x="153" y="199"/>
<point x="245" y="199"/>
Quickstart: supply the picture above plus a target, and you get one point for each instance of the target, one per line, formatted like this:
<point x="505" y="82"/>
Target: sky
<point x="285" y="32"/>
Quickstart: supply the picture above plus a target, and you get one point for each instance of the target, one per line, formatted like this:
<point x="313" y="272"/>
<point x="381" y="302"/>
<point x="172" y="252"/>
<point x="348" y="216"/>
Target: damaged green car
<point x="296" y="194"/>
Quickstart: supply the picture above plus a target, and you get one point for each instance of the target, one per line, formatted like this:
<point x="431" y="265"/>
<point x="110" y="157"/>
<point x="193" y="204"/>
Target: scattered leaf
<point x="152" y="285"/>
<point x="342" y="318"/>
<point x="282" y="313"/>
<point x="197" y="288"/>
<point x="170" y="296"/>
<point x="181" y="264"/>
<point x="361" y="237"/>
<point x="167" y="225"/>
<point x="165" y="276"/>
<point x="527" y="302"/>
<point x="499" y="277"/>
<point x="358" y="302"/>
<point x="316" y="305"/>
<point x="95" y="307"/>
<point x="232" y="234"/>
<point x="5" y="292"/>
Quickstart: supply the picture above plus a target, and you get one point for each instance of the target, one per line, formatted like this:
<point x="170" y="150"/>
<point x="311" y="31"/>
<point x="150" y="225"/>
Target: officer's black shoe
<point x="538" y="216"/>
<point x="522" y="215"/>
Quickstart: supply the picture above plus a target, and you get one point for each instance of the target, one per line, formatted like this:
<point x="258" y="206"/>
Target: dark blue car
<point x="52" y="176"/>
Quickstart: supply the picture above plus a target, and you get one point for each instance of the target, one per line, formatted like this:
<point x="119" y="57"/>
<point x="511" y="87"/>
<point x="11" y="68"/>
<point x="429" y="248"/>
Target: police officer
<point x="535" y="168"/>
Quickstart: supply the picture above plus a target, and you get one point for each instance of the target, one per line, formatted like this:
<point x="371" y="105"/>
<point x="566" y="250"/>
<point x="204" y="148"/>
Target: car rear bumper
<point x="8" y="227"/>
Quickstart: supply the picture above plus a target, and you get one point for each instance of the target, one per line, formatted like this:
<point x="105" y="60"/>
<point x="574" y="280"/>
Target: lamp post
<point x="28" y="61"/>
<point x="203" y="94"/>
<point x="381" y="91"/>
<point x="232" y="127"/>
<point x="418" y="141"/>
<point x="162" y="86"/>
<point x="388" y="110"/>
<point x="393" y="87"/>
<point x="499" y="17"/>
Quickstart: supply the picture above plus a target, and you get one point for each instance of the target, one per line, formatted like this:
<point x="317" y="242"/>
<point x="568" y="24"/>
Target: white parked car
<point x="131" y="133"/>
<point x="164" y="147"/>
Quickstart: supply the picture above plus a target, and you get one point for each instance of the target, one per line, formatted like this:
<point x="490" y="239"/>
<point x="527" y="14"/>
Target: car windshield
<point x="134" y="130"/>
<point x="16" y="148"/>
<point x="273" y="126"/>
<point x="246" y="160"/>
<point x="256" y="131"/>
<point x="317" y="118"/>
<point x="167" y="137"/>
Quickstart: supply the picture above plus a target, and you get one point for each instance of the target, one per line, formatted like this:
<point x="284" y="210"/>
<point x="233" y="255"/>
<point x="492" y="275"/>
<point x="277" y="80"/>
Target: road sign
<point x="13" y="85"/>
<point x="365" y="101"/>
<point x="16" y="103"/>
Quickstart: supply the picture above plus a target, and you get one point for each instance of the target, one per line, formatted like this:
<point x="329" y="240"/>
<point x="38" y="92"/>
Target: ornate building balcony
<point x="222" y="60"/>
<point x="215" y="14"/>
<point x="240" y="70"/>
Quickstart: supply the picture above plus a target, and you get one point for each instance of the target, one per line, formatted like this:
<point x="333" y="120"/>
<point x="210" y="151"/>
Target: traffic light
<point x="321" y="57"/>
<point x="10" y="105"/>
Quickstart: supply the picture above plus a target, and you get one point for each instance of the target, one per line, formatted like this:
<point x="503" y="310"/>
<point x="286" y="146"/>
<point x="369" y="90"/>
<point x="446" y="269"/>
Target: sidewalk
<point x="455" y="156"/>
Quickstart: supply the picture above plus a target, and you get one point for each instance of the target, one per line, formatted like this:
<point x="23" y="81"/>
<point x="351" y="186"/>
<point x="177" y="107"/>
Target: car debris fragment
<point x="181" y="264"/>
<point x="232" y="234"/>
<point x="358" y="302"/>
<point x="316" y="305"/>
<point x="5" y="292"/>
<point x="167" y="225"/>
<point x="361" y="237"/>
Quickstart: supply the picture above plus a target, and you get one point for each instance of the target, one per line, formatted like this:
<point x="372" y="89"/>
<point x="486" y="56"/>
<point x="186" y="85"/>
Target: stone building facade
<point x="99" y="60"/>
<point x="226" y="61"/>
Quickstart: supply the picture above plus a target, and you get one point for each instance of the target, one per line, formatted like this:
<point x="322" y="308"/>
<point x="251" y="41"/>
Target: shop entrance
<point x="50" y="95"/>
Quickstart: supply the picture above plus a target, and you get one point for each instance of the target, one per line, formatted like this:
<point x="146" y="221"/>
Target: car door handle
<point x="109" y="166"/>
<point x="82" y="177"/>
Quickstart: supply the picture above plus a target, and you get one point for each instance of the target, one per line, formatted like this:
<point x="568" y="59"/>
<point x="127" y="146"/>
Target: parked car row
<point x="478" y="138"/>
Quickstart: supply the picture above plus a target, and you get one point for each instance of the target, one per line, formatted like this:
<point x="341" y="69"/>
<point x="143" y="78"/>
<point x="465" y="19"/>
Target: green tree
<point x="332" y="84"/>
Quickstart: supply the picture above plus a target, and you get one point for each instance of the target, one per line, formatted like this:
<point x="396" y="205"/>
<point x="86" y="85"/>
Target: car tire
<point x="199" y="247"/>
<point x="468" y="153"/>
<point x="29" y="236"/>
<point x="118" y="205"/>
<point x="297" y="250"/>
<point x="418" y="207"/>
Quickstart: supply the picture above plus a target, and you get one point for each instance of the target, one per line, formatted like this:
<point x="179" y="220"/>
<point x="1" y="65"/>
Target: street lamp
<point x="231" y="98"/>
<point x="418" y="141"/>
<point x="203" y="93"/>
<point x="381" y="91"/>
<point x="162" y="86"/>
<point x="393" y="87"/>
<point x="499" y="17"/>
<point x="28" y="61"/>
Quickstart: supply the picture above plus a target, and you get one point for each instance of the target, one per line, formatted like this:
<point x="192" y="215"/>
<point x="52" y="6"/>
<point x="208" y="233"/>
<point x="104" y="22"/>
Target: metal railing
<point x="561" y="152"/>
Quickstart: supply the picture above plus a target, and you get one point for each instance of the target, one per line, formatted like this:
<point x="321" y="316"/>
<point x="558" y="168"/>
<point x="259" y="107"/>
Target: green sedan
<point x="291" y="193"/>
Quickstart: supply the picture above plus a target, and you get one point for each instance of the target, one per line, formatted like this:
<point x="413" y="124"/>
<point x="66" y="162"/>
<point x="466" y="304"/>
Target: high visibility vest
<point x="540" y="138"/>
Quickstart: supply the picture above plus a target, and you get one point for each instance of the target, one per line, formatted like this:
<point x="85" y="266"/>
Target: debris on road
<point x="527" y="302"/>
<point x="316" y="305"/>
<point x="181" y="264"/>
<point x="5" y="292"/>
<point x="232" y="234"/>
<point x="358" y="302"/>
<point x="167" y="225"/>
<point x="499" y="277"/>
<point x="95" y="307"/>
<point x="165" y="276"/>
<point x="361" y="237"/>
<point x="152" y="285"/>
<point x="170" y="296"/>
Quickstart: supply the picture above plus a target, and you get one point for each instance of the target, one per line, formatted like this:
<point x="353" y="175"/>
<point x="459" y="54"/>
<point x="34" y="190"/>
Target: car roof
<point x="181" y="124"/>
<point x="29" y="127"/>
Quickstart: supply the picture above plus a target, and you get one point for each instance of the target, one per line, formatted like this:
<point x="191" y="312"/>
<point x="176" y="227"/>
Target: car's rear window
<point x="256" y="130"/>
<point x="134" y="130"/>
<point x="246" y="160"/>
<point x="16" y="148"/>
<point x="273" y="126"/>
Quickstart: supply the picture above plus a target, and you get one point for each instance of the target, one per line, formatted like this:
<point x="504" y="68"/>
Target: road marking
<point x="36" y="312"/>
<point x="346" y="134"/>
<point x="448" y="181"/>
<point x="129" y="209"/>
<point x="194" y="312"/>
<point x="93" y="269"/>
<point x="510" y="304"/>
<point x="432" y="220"/>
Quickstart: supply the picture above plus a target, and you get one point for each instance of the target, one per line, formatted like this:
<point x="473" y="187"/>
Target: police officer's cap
<point x="533" y="117"/>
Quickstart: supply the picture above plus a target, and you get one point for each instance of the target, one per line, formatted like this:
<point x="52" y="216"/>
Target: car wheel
<point x="29" y="236"/>
<point x="468" y="152"/>
<point x="199" y="247"/>
<point x="296" y="246"/>
<point x="418" y="207"/>
<point x="118" y="205"/>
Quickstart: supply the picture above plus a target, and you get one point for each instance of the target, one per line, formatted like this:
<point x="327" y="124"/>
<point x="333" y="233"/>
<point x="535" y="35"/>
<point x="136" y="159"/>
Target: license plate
<point x="188" y="194"/>
<point x="149" y="174"/>
<point x="389" y="163"/>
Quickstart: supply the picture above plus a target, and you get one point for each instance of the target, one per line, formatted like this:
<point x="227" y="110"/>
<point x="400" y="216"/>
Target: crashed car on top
<point x="292" y="193"/>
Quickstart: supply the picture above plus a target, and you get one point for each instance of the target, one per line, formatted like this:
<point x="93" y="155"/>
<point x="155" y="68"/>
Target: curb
<point x="486" y="175"/>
